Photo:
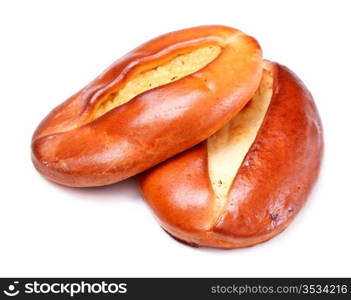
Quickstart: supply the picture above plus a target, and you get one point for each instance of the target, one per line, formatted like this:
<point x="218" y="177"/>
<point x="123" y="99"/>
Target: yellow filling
<point x="228" y="147"/>
<point x="175" y="69"/>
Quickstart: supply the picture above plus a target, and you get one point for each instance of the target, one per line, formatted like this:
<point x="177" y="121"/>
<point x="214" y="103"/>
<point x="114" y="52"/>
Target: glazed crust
<point x="71" y="148"/>
<point x="272" y="184"/>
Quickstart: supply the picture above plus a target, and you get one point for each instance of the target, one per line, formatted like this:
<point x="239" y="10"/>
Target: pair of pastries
<point x="231" y="144"/>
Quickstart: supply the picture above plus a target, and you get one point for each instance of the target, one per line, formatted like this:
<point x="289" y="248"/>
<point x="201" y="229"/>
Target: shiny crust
<point x="70" y="148"/>
<point x="272" y="184"/>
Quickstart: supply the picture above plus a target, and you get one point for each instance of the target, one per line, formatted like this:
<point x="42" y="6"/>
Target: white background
<point x="50" y="49"/>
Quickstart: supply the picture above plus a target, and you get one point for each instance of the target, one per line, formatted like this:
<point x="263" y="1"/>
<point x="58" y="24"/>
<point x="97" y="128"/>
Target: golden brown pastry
<point x="158" y="100"/>
<point x="247" y="182"/>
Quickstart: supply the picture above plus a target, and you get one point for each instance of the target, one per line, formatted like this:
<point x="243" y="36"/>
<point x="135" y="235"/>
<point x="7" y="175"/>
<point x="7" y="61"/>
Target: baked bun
<point x="247" y="182"/>
<point x="160" y="99"/>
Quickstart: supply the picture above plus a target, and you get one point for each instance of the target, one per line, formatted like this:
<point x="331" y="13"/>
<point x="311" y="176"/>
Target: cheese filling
<point x="173" y="70"/>
<point x="228" y="147"/>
